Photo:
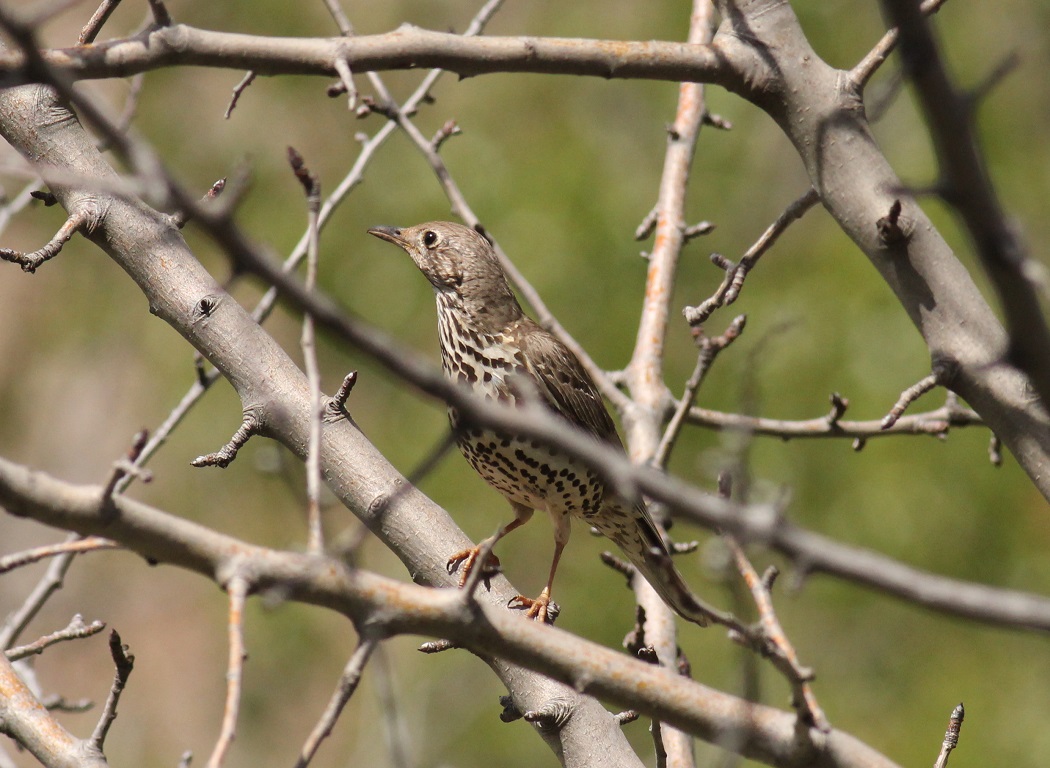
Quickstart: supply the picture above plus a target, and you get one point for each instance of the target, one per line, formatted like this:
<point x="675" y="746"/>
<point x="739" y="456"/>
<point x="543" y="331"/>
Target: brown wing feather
<point x="564" y="383"/>
<point x="569" y="390"/>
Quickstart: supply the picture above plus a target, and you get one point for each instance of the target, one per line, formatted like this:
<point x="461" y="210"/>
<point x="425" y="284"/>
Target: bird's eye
<point x="430" y="238"/>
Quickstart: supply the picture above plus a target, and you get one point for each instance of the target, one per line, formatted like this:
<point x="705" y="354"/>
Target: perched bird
<point x="489" y="344"/>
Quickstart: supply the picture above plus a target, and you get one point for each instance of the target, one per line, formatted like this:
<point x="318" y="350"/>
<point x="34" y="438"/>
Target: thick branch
<point x="407" y="47"/>
<point x="28" y="722"/>
<point x="380" y="607"/>
<point x="820" y="110"/>
<point x="154" y="254"/>
<point x="966" y="184"/>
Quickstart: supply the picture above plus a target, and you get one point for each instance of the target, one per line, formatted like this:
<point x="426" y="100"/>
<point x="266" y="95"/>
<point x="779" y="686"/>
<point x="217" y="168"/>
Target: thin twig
<point x="951" y="736"/>
<point x="30" y="262"/>
<point x="76" y="630"/>
<point x="160" y="13"/>
<point x="645" y="375"/>
<point x="97" y="21"/>
<point x="936" y="423"/>
<point x="126" y="466"/>
<point x="348" y="682"/>
<point x="70" y="546"/>
<point x="237" y="589"/>
<point x="709" y="349"/>
<point x="778" y="648"/>
<point x="238" y="91"/>
<point x="909" y="396"/>
<point x="222" y="457"/>
<point x="394" y="725"/>
<point x="124" y="663"/>
<point x="733" y="282"/>
<point x="49" y="583"/>
<point x="312" y="187"/>
<point x="869" y="65"/>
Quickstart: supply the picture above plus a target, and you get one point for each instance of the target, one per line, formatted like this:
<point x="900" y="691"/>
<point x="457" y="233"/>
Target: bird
<point x="489" y="344"/>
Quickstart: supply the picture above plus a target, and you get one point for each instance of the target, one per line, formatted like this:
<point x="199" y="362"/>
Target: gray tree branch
<point x="380" y="607"/>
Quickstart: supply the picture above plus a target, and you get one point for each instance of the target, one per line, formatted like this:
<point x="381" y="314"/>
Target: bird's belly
<point x="531" y="474"/>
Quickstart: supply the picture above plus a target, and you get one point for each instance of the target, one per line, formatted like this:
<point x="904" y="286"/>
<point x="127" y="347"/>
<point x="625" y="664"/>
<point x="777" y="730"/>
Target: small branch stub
<point x="893" y="228"/>
<point x="225" y="455"/>
<point x="951" y="736"/>
<point x="909" y="396"/>
<point x="30" y="262"/>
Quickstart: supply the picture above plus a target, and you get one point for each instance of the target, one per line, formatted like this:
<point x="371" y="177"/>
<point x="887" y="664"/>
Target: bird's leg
<point x="468" y="558"/>
<point x="539" y="608"/>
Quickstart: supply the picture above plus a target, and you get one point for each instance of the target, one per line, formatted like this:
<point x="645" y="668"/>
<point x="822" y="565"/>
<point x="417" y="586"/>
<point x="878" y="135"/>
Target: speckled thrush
<point x="488" y="343"/>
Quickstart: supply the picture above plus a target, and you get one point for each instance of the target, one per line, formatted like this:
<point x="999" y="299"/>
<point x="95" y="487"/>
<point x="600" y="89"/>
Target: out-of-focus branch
<point x="826" y="123"/>
<point x="965" y="183"/>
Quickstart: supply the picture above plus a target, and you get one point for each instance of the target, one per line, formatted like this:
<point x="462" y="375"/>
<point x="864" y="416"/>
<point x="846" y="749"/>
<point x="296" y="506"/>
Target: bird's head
<point x="457" y="260"/>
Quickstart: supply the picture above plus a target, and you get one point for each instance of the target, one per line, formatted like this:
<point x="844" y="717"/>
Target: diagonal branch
<point x="966" y="184"/>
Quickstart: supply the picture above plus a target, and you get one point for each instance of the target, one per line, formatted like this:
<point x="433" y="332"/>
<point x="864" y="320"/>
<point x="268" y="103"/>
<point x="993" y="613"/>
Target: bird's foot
<point x="540" y="609"/>
<point x="467" y="560"/>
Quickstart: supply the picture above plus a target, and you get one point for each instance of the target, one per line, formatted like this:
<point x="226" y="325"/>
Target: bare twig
<point x="124" y="662"/>
<point x="30" y="262"/>
<point x="644" y="372"/>
<point x="312" y="187"/>
<point x="226" y="454"/>
<point x="25" y="719"/>
<point x="70" y="546"/>
<point x="909" y="396"/>
<point x="784" y="658"/>
<point x="346" y="79"/>
<point x="348" y="681"/>
<point x="237" y="589"/>
<point x="238" y="91"/>
<point x="936" y="422"/>
<point x="733" y="282"/>
<point x="393" y="722"/>
<point x="97" y="21"/>
<point x="951" y="736"/>
<point x="161" y="17"/>
<point x="875" y="58"/>
<point x="126" y="466"/>
<point x="709" y="349"/>
<point x="76" y="630"/>
<point x="346" y="29"/>
<point x="49" y="583"/>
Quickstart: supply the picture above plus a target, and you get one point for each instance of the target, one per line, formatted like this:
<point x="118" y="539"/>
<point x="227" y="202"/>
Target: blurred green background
<point x="561" y="171"/>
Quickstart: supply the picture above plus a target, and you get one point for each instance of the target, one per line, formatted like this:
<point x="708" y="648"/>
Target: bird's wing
<point x="564" y="383"/>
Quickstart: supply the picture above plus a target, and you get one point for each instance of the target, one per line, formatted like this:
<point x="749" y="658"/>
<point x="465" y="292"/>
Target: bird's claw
<point x="467" y="560"/>
<point x="541" y="609"/>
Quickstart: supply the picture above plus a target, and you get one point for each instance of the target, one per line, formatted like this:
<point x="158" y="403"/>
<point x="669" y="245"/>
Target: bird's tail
<point x="644" y="545"/>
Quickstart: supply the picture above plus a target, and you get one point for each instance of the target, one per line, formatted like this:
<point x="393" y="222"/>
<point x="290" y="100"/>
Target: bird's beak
<point x="390" y="234"/>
